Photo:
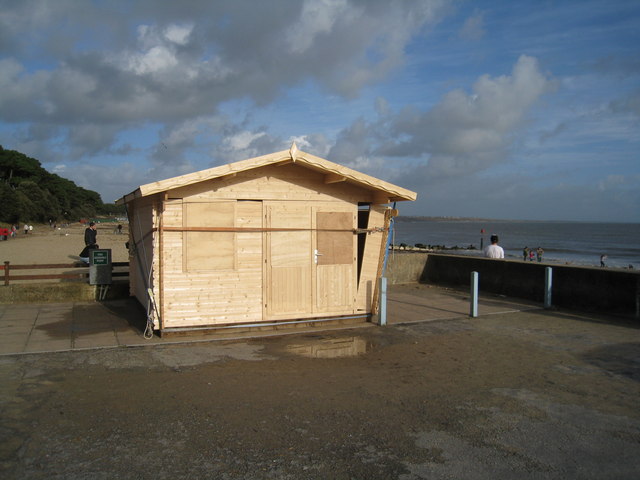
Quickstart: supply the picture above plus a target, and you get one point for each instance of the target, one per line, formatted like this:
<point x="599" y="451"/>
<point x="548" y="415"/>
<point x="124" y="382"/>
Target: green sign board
<point x="101" y="258"/>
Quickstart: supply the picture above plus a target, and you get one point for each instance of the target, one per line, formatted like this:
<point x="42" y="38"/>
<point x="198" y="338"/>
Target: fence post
<point x="548" y="278"/>
<point x="473" y="310"/>
<point x="6" y="273"/>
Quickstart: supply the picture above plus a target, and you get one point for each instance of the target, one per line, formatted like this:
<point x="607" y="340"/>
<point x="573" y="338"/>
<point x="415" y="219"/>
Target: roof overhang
<point x="333" y="172"/>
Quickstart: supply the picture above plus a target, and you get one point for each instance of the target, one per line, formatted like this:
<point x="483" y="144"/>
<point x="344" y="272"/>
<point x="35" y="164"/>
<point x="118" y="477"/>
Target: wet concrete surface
<point x="532" y="394"/>
<point x="52" y="327"/>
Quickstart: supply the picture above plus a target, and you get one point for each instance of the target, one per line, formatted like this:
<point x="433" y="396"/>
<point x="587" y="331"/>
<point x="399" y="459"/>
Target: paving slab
<point x="116" y="323"/>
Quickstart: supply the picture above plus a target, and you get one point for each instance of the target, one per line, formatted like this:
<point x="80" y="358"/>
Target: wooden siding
<point x="260" y="275"/>
<point x="210" y="297"/>
<point x="141" y="223"/>
<point x="279" y="183"/>
<point x="371" y="258"/>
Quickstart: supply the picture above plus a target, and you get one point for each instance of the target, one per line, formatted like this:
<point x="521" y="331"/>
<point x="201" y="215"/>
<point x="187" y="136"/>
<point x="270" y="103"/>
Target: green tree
<point x="29" y="193"/>
<point x="9" y="204"/>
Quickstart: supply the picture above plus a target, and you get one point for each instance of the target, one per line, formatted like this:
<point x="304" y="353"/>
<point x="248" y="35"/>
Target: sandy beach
<point x="45" y="245"/>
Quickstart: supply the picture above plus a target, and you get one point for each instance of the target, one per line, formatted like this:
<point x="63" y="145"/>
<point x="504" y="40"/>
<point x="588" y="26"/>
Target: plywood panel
<point x="209" y="250"/>
<point x="335" y="237"/>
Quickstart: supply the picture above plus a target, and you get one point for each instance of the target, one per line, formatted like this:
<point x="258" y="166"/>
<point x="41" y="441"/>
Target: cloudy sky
<point x="501" y="109"/>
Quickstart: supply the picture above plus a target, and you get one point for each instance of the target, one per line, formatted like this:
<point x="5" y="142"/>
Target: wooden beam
<point x="334" y="178"/>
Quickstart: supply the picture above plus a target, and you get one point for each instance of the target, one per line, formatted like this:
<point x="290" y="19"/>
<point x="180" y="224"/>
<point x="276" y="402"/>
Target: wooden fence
<point x="79" y="275"/>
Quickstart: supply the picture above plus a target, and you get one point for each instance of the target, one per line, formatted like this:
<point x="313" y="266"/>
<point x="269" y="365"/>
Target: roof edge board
<point x="355" y="176"/>
<point x="284" y="157"/>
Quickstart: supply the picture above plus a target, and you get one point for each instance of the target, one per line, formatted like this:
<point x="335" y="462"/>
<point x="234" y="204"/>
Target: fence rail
<point x="81" y="275"/>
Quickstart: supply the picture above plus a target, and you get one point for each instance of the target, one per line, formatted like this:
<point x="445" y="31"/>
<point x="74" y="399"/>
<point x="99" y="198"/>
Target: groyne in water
<point x="604" y="290"/>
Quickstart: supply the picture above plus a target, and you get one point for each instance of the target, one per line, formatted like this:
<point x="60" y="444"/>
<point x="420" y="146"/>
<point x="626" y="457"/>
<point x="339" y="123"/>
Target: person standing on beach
<point x="90" y="239"/>
<point x="494" y="250"/>
<point x="91" y="236"/>
<point x="525" y="254"/>
<point x="540" y="252"/>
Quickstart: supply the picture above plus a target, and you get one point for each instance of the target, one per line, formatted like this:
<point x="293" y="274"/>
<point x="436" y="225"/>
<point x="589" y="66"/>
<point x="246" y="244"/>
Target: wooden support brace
<point x="334" y="178"/>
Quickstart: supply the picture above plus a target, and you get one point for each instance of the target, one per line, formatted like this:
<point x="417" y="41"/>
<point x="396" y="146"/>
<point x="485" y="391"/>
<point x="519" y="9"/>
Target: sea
<point x="573" y="243"/>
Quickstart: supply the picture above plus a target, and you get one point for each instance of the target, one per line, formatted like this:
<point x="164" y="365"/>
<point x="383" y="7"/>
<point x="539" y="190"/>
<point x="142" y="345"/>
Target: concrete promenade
<point x="57" y="327"/>
<point x="518" y="392"/>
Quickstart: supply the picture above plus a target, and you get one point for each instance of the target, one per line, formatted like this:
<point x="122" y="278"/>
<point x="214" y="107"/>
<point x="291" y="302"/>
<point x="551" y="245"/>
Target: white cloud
<point x="470" y="132"/>
<point x="241" y="141"/>
<point x="462" y="134"/>
<point x="178" y="34"/>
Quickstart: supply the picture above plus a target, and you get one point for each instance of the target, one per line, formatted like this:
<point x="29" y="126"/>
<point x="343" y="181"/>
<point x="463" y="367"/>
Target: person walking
<point x="603" y="257"/>
<point x="494" y="250"/>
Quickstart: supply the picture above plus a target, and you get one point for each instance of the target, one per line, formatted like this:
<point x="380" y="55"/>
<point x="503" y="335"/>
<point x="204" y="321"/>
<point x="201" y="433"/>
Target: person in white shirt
<point x="494" y="250"/>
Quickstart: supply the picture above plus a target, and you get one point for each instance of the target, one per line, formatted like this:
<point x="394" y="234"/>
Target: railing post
<point x="548" y="277"/>
<point x="382" y="298"/>
<point x="473" y="309"/>
<point x="6" y="273"/>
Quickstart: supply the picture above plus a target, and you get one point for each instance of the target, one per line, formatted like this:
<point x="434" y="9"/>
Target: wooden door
<point x="310" y="260"/>
<point x="288" y="260"/>
<point x="335" y="263"/>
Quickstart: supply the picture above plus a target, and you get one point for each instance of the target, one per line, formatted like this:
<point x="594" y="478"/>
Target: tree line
<point x="29" y="193"/>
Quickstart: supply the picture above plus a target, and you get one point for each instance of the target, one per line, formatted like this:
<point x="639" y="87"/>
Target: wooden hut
<point x="274" y="239"/>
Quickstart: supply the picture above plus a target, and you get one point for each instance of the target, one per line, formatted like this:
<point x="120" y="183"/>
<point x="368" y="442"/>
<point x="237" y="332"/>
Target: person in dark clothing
<point x="90" y="241"/>
<point x="90" y="235"/>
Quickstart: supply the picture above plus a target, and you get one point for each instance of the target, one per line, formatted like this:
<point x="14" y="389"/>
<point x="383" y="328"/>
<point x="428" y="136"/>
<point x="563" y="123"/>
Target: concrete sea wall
<point x="584" y="288"/>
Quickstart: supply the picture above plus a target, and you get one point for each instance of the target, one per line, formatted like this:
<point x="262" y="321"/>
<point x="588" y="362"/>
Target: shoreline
<point x="468" y="252"/>
<point x="45" y="245"/>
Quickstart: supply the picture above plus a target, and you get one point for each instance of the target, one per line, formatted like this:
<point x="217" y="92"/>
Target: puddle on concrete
<point x="330" y="347"/>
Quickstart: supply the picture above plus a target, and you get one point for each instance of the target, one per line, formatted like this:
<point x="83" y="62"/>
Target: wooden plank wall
<point x="210" y="297"/>
<point x="280" y="183"/>
<point x="191" y="298"/>
<point x="141" y="237"/>
<point x="371" y="258"/>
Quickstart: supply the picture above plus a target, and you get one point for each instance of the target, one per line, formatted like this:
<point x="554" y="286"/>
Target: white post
<point x="548" y="276"/>
<point x="473" y="311"/>
<point x="382" y="310"/>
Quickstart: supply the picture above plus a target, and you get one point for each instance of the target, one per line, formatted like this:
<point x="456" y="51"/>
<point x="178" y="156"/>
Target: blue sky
<point x="496" y="109"/>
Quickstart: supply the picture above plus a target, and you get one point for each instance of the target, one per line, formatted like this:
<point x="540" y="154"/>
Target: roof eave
<point x="384" y="189"/>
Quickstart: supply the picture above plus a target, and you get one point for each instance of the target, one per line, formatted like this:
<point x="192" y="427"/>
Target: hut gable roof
<point x="333" y="172"/>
